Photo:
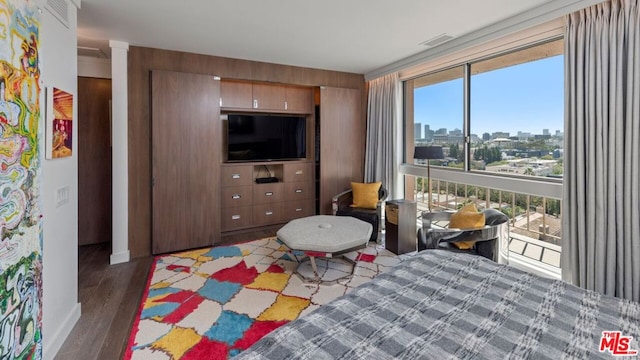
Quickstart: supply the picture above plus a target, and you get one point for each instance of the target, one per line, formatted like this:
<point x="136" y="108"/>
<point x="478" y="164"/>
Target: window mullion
<point x="466" y="127"/>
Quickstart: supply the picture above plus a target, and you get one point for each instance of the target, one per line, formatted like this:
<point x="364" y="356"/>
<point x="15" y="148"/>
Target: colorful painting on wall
<point x="20" y="223"/>
<point x="59" y="123"/>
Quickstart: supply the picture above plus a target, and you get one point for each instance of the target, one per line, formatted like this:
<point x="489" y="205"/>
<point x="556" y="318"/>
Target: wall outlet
<point x="62" y="195"/>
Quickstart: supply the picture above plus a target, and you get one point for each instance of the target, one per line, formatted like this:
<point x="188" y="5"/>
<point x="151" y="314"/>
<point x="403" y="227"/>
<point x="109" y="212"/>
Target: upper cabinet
<point x="236" y="94"/>
<point x="260" y="96"/>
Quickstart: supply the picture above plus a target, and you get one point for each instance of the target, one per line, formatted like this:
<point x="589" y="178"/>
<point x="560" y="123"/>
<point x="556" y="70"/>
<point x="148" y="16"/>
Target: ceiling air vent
<point x="442" y="38"/>
<point x="60" y="10"/>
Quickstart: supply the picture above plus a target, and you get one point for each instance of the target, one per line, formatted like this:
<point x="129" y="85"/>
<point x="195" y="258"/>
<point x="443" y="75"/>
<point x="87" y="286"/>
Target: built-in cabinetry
<point x="247" y="204"/>
<point x="185" y="172"/>
<point x="257" y="96"/>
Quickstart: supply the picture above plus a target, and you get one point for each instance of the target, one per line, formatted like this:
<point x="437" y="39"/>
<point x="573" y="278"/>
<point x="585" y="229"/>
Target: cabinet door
<point x="298" y="99"/>
<point x="236" y="94"/>
<point x="268" y="96"/>
<point x="342" y="142"/>
<point x="185" y="144"/>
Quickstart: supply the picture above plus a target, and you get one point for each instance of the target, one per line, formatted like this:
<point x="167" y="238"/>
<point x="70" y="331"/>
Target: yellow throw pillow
<point x="365" y="196"/>
<point x="467" y="217"/>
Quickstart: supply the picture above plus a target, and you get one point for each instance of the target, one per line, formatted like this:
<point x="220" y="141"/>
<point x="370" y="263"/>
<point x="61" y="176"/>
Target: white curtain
<point x="601" y="201"/>
<point x="383" y="115"/>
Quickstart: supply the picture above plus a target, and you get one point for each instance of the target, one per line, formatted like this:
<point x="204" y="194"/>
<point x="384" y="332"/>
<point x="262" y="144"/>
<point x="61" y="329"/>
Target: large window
<point x="500" y="122"/>
<point x="516" y="112"/>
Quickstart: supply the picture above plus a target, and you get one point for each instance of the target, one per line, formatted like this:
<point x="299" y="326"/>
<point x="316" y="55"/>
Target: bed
<point x="444" y="305"/>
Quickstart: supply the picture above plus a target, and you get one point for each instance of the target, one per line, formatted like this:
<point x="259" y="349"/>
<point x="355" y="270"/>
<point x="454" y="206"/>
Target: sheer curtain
<point x="383" y="113"/>
<point x="601" y="200"/>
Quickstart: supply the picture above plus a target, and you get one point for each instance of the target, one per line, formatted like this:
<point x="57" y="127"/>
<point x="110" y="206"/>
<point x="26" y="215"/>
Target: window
<point x="516" y="113"/>
<point x="501" y="115"/>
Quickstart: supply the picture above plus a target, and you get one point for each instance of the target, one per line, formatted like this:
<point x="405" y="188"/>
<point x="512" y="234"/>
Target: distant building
<point x="486" y="137"/>
<point x="524" y="135"/>
<point x="417" y="131"/>
<point x="455" y="132"/>
<point x="500" y="134"/>
<point x="558" y="153"/>
<point x="441" y="131"/>
<point x="546" y="132"/>
<point x="428" y="133"/>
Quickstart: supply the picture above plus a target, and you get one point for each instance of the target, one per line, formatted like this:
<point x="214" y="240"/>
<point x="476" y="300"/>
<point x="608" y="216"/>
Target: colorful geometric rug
<point x="213" y="303"/>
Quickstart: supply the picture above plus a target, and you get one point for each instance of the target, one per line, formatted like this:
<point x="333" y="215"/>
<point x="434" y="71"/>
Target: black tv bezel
<point x="226" y="139"/>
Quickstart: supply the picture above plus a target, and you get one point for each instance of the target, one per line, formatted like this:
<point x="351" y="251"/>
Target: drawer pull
<point x="268" y="213"/>
<point x="235" y="217"/>
<point x="236" y="196"/>
<point x="299" y="172"/>
<point x="268" y="193"/>
<point x="298" y="209"/>
<point x="235" y="176"/>
<point x="299" y="191"/>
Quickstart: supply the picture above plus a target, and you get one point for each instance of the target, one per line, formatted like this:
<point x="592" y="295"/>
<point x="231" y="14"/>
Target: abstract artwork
<point x="20" y="224"/>
<point x="59" y="123"/>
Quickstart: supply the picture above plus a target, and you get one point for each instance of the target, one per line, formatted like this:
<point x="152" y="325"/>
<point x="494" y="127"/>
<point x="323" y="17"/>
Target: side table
<point x="400" y="225"/>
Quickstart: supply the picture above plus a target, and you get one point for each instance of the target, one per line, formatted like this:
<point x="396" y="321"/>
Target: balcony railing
<point x="535" y="221"/>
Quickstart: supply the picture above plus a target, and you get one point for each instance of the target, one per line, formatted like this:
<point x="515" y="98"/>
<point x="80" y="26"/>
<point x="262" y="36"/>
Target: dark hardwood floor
<point x="110" y="296"/>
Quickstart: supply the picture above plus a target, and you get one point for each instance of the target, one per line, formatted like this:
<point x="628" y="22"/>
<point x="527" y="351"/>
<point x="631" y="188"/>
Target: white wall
<point x="61" y="309"/>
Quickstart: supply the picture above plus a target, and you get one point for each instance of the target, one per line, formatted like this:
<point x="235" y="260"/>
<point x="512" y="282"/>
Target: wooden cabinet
<point x="342" y="142"/>
<point x="267" y="97"/>
<point x="185" y="161"/>
<point x="236" y="94"/>
<point x="298" y="99"/>
<point x="246" y="204"/>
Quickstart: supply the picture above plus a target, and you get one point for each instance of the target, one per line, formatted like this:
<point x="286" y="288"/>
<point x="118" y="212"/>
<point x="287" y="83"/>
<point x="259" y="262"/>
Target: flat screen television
<point x="260" y="137"/>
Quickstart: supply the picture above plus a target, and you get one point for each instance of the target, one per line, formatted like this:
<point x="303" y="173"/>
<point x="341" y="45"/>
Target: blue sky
<point x="528" y="97"/>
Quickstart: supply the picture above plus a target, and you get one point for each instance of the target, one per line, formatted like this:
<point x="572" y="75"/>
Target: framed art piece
<point x="59" y="137"/>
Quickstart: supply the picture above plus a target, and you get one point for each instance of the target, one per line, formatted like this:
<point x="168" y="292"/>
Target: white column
<point x="119" y="155"/>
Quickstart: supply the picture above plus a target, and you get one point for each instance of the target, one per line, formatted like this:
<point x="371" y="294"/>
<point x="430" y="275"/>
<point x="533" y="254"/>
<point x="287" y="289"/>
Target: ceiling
<point x="355" y="36"/>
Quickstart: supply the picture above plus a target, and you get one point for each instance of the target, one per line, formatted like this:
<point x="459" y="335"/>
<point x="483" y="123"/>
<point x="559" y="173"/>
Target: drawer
<point x="299" y="190"/>
<point x="236" y="218"/>
<point x="235" y="196"/>
<point x="268" y="214"/>
<point x="298" y="209"/>
<point x="268" y="193"/>
<point x="298" y="172"/>
<point x="237" y="175"/>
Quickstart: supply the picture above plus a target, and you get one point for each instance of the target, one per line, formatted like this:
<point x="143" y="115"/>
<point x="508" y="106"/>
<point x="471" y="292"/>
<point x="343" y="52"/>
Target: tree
<point x="529" y="171"/>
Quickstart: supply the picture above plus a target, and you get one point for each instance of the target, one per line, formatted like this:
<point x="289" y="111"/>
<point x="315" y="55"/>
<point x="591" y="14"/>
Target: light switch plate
<point x="62" y="195"/>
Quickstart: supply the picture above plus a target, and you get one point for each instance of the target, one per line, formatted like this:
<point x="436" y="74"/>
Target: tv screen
<point x="266" y="137"/>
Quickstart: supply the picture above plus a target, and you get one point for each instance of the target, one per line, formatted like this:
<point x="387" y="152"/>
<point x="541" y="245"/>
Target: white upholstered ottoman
<point x="324" y="236"/>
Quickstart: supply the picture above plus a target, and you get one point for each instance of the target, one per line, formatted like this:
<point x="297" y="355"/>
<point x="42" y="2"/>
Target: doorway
<point x="94" y="161"/>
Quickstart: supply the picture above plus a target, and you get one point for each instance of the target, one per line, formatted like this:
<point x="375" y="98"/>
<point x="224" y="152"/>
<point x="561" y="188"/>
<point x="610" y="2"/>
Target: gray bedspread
<point x="444" y="305"/>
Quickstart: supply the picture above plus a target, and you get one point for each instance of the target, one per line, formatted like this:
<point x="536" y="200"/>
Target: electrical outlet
<point x="62" y="195"/>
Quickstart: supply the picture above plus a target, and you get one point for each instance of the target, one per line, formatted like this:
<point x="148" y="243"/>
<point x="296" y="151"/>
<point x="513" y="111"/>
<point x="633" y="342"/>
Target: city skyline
<point x="527" y="97"/>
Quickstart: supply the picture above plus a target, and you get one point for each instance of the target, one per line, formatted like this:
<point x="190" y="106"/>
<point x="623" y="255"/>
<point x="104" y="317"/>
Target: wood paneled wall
<point x="141" y="61"/>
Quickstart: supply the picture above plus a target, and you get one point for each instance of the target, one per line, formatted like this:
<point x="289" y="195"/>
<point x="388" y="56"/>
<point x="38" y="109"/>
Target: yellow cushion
<point x="365" y="196"/>
<point x="467" y="217"/>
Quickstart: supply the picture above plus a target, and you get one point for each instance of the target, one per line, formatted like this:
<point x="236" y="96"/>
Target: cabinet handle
<point x="268" y="213"/>
<point x="286" y="106"/>
<point x="299" y="172"/>
<point x="235" y="176"/>
<point x="269" y="193"/>
<point x="255" y="103"/>
<point x="220" y="102"/>
<point x="235" y="217"/>
<point x="299" y="191"/>
<point x="236" y="196"/>
<point x="298" y="209"/>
